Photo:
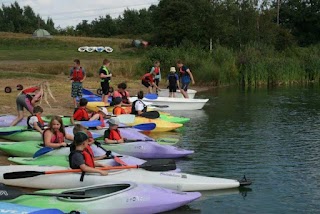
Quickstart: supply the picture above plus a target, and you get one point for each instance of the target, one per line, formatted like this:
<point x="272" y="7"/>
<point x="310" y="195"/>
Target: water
<point x="271" y="136"/>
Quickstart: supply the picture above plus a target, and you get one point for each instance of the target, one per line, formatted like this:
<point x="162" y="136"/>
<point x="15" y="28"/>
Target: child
<point x="117" y="110"/>
<point x="80" y="158"/>
<point x="173" y="81"/>
<point x="112" y="135"/>
<point x="81" y="113"/>
<point x="148" y="81"/>
<point x="138" y="106"/>
<point x="35" y="121"/>
<point x="54" y="136"/>
<point x="156" y="69"/>
<point x="105" y="78"/>
<point x="186" y="76"/>
<point x="77" y="76"/>
<point x="122" y="93"/>
<point x="98" y="153"/>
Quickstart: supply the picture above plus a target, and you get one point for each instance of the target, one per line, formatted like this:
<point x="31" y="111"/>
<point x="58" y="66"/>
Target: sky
<point x="71" y="12"/>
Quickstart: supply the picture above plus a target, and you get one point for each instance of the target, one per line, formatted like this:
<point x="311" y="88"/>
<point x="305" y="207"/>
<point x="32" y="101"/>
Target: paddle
<point x="49" y="211"/>
<point x="8" y="193"/>
<point x="160" y="106"/>
<point x="142" y="126"/>
<point x="42" y="151"/>
<point x="151" y="165"/>
<point x="150" y="114"/>
<point x="116" y="158"/>
<point x="151" y="96"/>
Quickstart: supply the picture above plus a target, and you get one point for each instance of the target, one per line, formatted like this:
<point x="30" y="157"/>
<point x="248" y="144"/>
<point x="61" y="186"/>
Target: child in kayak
<point x="121" y="93"/>
<point x="29" y="97"/>
<point x="98" y="153"/>
<point x="112" y="135"/>
<point x="81" y="114"/>
<point x="173" y="81"/>
<point x="117" y="110"/>
<point x="54" y="136"/>
<point x="139" y="108"/>
<point x="35" y="121"/>
<point x="81" y="158"/>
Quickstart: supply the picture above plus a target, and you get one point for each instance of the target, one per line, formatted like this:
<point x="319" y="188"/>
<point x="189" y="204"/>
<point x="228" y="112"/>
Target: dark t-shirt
<point x="76" y="159"/>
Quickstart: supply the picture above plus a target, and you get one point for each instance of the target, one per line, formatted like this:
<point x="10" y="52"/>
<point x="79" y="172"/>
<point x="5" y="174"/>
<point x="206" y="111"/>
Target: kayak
<point x="165" y="93"/>
<point x="117" y="198"/>
<point x="169" y="179"/>
<point x="161" y="125"/>
<point x="140" y="149"/>
<point x="9" y="208"/>
<point x="6" y="120"/>
<point x="173" y="119"/>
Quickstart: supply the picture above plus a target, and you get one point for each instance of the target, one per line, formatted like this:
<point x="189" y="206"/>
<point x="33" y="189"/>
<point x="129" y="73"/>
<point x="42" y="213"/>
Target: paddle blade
<point x="145" y="126"/>
<point x="151" y="114"/>
<point x="151" y="96"/>
<point x="126" y="118"/>
<point x="167" y="141"/>
<point x="92" y="123"/>
<point x="159" y="165"/>
<point x="22" y="174"/>
<point x="42" y="151"/>
<point x="48" y="211"/>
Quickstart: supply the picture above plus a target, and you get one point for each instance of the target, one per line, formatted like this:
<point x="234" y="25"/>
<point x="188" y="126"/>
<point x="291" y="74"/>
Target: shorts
<point x="147" y="84"/>
<point x="172" y="88"/>
<point x="185" y="86"/>
<point x="156" y="81"/>
<point x="105" y="88"/>
<point x="23" y="102"/>
<point x="76" y="89"/>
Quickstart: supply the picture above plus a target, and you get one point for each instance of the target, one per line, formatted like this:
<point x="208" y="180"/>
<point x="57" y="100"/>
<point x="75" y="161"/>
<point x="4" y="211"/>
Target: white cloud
<point x="67" y="12"/>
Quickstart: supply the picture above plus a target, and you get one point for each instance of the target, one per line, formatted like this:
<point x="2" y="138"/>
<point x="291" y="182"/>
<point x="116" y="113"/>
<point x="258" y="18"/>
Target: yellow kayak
<point x="161" y="125"/>
<point x="94" y="106"/>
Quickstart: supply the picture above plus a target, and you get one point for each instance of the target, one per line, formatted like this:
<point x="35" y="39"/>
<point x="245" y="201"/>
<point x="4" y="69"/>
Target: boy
<point x="123" y="94"/>
<point x="105" y="78"/>
<point x="173" y="81"/>
<point x="77" y="76"/>
<point x="35" y="121"/>
<point x="112" y="135"/>
<point x="138" y="106"/>
<point x="80" y="158"/>
<point x="186" y="76"/>
<point x="156" y="69"/>
<point x="117" y="110"/>
<point x="148" y="81"/>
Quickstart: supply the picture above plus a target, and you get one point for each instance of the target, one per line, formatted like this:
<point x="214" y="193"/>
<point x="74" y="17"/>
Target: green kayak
<point x="173" y="119"/>
<point x="21" y="149"/>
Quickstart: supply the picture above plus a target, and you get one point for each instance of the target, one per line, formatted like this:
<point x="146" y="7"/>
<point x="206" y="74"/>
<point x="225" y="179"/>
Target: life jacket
<point x="106" y="79"/>
<point x="40" y="121"/>
<point x="172" y="79"/>
<point x="87" y="155"/>
<point x="147" y="77"/>
<point x="84" y="114"/>
<point x="156" y="70"/>
<point x="124" y="97"/>
<point x="113" y="134"/>
<point x="56" y="138"/>
<point x="77" y="75"/>
<point x="118" y="107"/>
<point x="30" y="90"/>
<point x="183" y="71"/>
<point x="133" y="107"/>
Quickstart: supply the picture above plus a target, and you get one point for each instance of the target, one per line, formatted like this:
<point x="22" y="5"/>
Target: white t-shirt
<point x="33" y="120"/>
<point x="139" y="106"/>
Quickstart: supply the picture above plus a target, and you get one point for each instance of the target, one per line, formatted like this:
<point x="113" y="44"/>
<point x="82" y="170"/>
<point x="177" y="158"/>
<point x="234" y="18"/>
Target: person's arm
<point x="154" y="84"/>
<point x="86" y="168"/>
<point x="69" y="137"/>
<point x="36" y="127"/>
<point x="191" y="76"/>
<point x="47" y="141"/>
<point x="178" y="84"/>
<point x="77" y="114"/>
<point x="84" y="75"/>
<point x="107" y="140"/>
<point x="36" y="97"/>
<point x="71" y="74"/>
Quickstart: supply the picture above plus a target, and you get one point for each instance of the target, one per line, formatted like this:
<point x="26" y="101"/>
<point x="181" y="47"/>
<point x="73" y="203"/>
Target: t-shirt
<point x="185" y="77"/>
<point x="33" y="120"/>
<point x="175" y="76"/>
<point x="158" y="76"/>
<point x="139" y="106"/>
<point x="77" y="160"/>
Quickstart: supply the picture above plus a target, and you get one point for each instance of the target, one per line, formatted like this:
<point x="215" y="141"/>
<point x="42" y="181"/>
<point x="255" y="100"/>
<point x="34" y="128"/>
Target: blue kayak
<point x="92" y="97"/>
<point x="19" y="209"/>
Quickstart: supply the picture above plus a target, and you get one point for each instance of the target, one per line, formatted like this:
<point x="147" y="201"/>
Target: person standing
<point x="156" y="69"/>
<point x="105" y="78"/>
<point x="148" y="81"/>
<point x="77" y="76"/>
<point x="173" y="82"/>
<point x="186" y="77"/>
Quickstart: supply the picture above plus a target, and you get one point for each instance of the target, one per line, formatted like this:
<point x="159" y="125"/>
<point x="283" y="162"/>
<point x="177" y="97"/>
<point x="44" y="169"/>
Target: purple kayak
<point x="6" y="120"/>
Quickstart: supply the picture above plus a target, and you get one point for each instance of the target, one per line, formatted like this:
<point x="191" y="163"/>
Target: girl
<point x="54" y="136"/>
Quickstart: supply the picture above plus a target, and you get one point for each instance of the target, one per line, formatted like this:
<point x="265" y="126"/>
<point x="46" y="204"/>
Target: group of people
<point x="151" y="80"/>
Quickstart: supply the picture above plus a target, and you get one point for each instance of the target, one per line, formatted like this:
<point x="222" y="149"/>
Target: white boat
<point x="176" y="103"/>
<point x="165" y="93"/>
<point x="168" y="179"/>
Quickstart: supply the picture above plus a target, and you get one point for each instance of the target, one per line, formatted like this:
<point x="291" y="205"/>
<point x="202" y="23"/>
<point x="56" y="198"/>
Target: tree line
<point x="231" y="23"/>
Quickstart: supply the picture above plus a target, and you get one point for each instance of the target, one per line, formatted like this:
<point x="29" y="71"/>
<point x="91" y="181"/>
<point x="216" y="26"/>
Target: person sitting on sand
<point x="54" y="136"/>
<point x="112" y="135"/>
<point x="81" y="158"/>
<point x="29" y="97"/>
<point x="35" y="121"/>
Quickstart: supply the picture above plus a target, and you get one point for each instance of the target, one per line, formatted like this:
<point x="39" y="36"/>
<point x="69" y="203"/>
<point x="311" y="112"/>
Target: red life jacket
<point x="156" y="70"/>
<point x="30" y="90"/>
<point x="40" y="121"/>
<point x="88" y="156"/>
<point x="124" y="97"/>
<point x="148" y="78"/>
<point x="113" y="134"/>
<point x="77" y="75"/>
<point x="56" y="138"/>
<point x="81" y="114"/>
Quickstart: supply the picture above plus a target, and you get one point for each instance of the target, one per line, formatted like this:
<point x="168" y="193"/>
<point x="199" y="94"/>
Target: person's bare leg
<point x="105" y="98"/>
<point x="184" y="93"/>
<point x="173" y="94"/>
<point x="18" y="118"/>
<point x="75" y="102"/>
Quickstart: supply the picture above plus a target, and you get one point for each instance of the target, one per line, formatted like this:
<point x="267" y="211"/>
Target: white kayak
<point x="176" y="103"/>
<point x="165" y="93"/>
<point x="169" y="179"/>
